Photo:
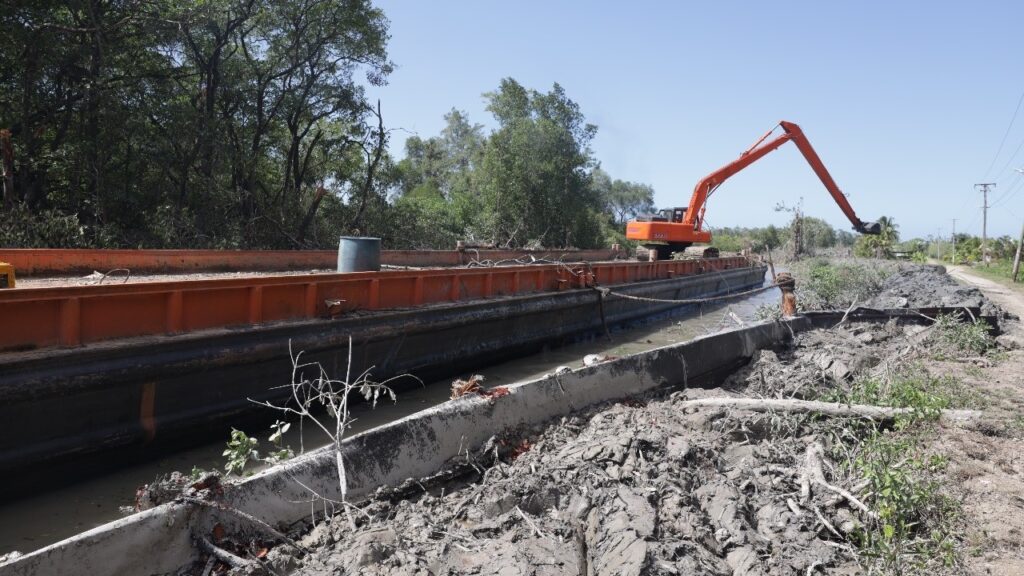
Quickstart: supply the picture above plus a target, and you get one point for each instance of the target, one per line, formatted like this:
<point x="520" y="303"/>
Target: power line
<point x="1010" y="161"/>
<point x="1005" y="135"/>
<point x="1010" y="190"/>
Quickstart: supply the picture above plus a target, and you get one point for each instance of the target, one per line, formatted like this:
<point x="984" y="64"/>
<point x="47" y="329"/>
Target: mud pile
<point x="632" y="489"/>
<point x="926" y="286"/>
<point x="823" y="360"/>
<point x="650" y="485"/>
<point x="646" y="486"/>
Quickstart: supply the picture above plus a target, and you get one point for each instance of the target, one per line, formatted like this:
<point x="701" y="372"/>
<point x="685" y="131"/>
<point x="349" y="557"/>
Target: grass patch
<point x="916" y="526"/>
<point x="824" y="284"/>
<point x="954" y="337"/>
<point x="924" y="394"/>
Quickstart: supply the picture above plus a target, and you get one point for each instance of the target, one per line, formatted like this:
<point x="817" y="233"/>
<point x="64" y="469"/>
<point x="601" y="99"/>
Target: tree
<point x="879" y="245"/>
<point x="535" y="182"/>
<point x="818" y="233"/>
<point x="622" y="199"/>
<point x="197" y="123"/>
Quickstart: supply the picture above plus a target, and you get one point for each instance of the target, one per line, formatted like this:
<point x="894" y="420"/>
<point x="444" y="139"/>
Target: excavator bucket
<point x="869" y="228"/>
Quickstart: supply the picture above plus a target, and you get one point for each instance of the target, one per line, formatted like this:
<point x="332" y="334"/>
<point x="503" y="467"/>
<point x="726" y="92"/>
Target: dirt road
<point x="987" y="463"/>
<point x="1008" y="299"/>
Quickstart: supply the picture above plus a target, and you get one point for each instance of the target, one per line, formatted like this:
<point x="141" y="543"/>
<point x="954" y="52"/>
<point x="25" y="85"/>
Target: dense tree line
<point x="191" y="123"/>
<point x="533" y="181"/>
<point x="967" y="248"/>
<point x="245" y="123"/>
<point x="815" y="234"/>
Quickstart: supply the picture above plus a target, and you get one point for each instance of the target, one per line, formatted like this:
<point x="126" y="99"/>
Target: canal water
<point x="32" y="522"/>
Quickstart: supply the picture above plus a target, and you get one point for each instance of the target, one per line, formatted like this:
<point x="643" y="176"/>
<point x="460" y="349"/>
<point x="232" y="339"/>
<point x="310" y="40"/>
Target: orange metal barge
<point x="86" y="369"/>
<point x="55" y="261"/>
<point x="74" y="315"/>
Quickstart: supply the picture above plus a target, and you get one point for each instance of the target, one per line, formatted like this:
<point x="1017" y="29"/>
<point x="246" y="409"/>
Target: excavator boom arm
<point x="792" y="132"/>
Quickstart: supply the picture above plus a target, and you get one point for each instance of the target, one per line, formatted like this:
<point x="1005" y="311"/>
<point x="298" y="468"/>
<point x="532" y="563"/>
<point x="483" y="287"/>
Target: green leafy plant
<point x="924" y="394"/>
<point x="956" y="336"/>
<point x="914" y="525"/>
<point x="241" y="448"/>
<point x="280" y="451"/>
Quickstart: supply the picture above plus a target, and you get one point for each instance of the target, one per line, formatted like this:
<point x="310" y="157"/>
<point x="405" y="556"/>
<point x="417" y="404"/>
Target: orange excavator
<point x="674" y="229"/>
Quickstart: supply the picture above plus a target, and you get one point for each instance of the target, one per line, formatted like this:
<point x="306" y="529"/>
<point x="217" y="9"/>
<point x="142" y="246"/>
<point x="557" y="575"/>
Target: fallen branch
<point x="881" y="413"/>
<point x="812" y="474"/>
<point x="227" y="557"/>
<point x="526" y="518"/>
<point x="267" y="528"/>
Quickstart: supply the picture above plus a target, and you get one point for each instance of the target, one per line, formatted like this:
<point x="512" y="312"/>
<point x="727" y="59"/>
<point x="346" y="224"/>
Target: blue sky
<point x="906" y="102"/>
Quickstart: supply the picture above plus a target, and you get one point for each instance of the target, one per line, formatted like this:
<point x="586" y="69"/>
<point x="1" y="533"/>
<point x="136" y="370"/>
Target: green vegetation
<point x="915" y="526"/>
<point x="223" y="124"/>
<point x="912" y="388"/>
<point x="531" y="182"/>
<point x="954" y="337"/>
<point x="880" y="245"/>
<point x="832" y="284"/>
<point x="242" y="449"/>
<point x="915" y="523"/>
<point x="816" y="234"/>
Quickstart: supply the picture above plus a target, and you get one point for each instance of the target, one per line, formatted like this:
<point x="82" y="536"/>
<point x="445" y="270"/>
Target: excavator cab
<point x="665" y="215"/>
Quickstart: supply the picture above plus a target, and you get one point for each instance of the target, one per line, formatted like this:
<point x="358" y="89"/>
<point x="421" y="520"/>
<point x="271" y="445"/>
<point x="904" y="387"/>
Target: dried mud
<point x="645" y="486"/>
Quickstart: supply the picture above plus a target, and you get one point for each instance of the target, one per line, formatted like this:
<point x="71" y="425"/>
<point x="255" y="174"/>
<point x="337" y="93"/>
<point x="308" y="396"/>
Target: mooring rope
<point x="608" y="291"/>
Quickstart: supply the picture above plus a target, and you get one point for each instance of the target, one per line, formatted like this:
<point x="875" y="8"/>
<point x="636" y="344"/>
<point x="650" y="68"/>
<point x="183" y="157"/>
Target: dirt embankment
<point x="659" y="486"/>
<point x="926" y="286"/>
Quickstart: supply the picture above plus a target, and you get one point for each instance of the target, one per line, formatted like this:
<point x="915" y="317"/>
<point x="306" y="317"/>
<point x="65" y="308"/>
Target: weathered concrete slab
<point x="412" y="447"/>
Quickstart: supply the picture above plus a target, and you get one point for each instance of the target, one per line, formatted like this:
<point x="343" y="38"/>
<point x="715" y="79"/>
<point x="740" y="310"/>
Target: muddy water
<point x="36" y="521"/>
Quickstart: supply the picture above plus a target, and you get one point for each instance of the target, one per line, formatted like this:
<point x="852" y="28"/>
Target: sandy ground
<point x="987" y="462"/>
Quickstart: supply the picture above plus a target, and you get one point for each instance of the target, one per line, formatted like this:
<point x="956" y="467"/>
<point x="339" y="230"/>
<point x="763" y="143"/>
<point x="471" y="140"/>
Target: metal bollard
<point x="787" y="285"/>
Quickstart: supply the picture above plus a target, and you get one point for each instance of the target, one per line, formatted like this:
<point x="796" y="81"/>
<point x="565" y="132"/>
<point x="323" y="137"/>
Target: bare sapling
<point x="321" y="392"/>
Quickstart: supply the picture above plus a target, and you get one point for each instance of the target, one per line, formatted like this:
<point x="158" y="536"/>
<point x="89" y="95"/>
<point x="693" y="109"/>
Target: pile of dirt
<point x="645" y="486"/>
<point x="927" y="286"/>
<point x="631" y="489"/>
<point x="823" y="360"/>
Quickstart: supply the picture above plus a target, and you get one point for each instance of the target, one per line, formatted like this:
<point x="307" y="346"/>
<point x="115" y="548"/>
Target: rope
<point x="607" y="291"/>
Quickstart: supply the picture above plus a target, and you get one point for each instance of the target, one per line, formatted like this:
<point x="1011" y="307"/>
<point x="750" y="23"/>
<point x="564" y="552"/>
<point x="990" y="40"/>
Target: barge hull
<point x="130" y="393"/>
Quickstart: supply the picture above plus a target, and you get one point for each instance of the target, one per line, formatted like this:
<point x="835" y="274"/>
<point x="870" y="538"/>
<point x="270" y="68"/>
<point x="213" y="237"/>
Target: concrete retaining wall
<point x="157" y="541"/>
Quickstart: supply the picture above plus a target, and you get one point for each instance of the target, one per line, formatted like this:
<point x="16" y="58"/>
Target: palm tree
<point x="889" y="234"/>
<point x="879" y="245"/>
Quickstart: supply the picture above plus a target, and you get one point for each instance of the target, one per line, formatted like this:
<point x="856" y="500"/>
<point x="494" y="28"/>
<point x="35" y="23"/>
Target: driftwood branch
<point x="881" y="413"/>
<point x="812" y="475"/>
<point x="227" y="557"/>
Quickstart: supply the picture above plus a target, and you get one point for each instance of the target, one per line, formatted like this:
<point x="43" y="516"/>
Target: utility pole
<point x="954" y="241"/>
<point x="1016" y="259"/>
<point x="938" y="244"/>
<point x="984" y="186"/>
